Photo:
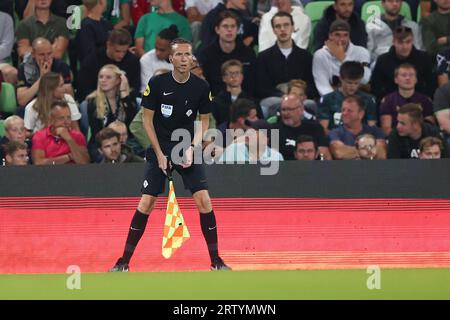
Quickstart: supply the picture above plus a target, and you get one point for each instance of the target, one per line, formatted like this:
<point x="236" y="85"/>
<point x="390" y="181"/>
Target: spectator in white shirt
<point x="337" y="49"/>
<point x="302" y="24"/>
<point x="158" y="58"/>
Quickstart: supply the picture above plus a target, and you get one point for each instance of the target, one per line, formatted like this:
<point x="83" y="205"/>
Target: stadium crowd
<point x="342" y="79"/>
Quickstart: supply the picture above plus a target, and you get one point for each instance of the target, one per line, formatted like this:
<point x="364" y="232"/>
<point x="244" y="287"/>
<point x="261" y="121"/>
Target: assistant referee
<point x="171" y="101"/>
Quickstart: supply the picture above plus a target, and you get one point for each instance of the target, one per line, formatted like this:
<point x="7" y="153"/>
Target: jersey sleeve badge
<point x="147" y="91"/>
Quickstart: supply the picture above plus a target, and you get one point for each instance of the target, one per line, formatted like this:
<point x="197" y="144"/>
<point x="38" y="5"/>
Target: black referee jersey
<point x="175" y="104"/>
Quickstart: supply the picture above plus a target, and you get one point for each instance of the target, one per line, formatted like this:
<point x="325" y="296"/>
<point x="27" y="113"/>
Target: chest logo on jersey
<point x="189" y="112"/>
<point x="166" y="110"/>
<point x="289" y="143"/>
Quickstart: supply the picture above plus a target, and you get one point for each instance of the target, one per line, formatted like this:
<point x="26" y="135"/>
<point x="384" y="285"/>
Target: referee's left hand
<point x="188" y="156"/>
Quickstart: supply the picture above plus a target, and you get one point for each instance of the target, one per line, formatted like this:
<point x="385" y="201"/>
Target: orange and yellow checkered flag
<point x="175" y="230"/>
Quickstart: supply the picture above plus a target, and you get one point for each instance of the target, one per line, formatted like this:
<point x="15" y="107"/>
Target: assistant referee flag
<point x="175" y="230"/>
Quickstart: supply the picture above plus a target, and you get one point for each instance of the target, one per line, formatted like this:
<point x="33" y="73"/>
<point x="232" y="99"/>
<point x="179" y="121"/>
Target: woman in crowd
<point x="37" y="112"/>
<point x="110" y="102"/>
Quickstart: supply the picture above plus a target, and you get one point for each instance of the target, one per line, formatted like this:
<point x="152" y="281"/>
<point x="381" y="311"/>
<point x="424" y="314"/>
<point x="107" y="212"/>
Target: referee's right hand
<point x="162" y="162"/>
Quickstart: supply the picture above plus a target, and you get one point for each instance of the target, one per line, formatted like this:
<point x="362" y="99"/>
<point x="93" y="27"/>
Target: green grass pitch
<point x="236" y="285"/>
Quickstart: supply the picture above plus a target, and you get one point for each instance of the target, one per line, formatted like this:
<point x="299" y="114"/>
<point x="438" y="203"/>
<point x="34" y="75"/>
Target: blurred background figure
<point x="366" y="145"/>
<point x="430" y="148"/>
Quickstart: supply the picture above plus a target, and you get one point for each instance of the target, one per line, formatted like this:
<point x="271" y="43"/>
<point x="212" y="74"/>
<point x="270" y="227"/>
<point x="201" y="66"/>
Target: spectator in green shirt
<point x="436" y="28"/>
<point x="152" y="23"/>
<point x="42" y="24"/>
<point x="118" y="12"/>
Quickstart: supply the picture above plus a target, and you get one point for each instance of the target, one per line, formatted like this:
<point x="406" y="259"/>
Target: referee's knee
<point x="146" y="204"/>
<point x="203" y="201"/>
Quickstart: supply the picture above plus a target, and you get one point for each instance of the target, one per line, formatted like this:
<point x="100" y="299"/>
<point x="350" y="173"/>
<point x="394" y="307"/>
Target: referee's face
<point x="181" y="57"/>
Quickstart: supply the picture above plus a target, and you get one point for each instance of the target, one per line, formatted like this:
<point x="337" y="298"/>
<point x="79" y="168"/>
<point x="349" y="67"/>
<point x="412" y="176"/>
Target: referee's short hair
<point x="178" y="41"/>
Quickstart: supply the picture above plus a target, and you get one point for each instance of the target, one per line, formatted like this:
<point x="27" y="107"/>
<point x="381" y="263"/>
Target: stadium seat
<point x="2" y="128"/>
<point x="8" y="102"/>
<point x="371" y="8"/>
<point x="314" y="10"/>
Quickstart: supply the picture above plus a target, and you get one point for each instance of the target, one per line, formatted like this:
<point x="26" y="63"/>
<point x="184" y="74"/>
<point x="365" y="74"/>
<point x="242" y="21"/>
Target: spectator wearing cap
<point x="337" y="49"/>
<point x="341" y="10"/>
<point x="380" y="29"/>
<point x="254" y="148"/>
<point x="403" y="142"/>
<point x="402" y="51"/>
<point x="342" y="138"/>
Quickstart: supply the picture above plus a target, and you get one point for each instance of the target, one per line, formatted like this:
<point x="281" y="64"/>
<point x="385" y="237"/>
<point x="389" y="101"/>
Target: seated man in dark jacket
<point x="109" y="146"/>
<point x="116" y="53"/>
<point x="281" y="63"/>
<point x="403" y="142"/>
<point x="228" y="46"/>
<point x="402" y="51"/>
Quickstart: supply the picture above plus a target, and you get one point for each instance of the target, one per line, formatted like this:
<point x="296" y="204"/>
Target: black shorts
<point x="194" y="177"/>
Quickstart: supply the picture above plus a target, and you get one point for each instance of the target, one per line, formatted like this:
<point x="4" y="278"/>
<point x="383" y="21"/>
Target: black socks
<point x="137" y="228"/>
<point x="209" y="230"/>
<point x="139" y="222"/>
